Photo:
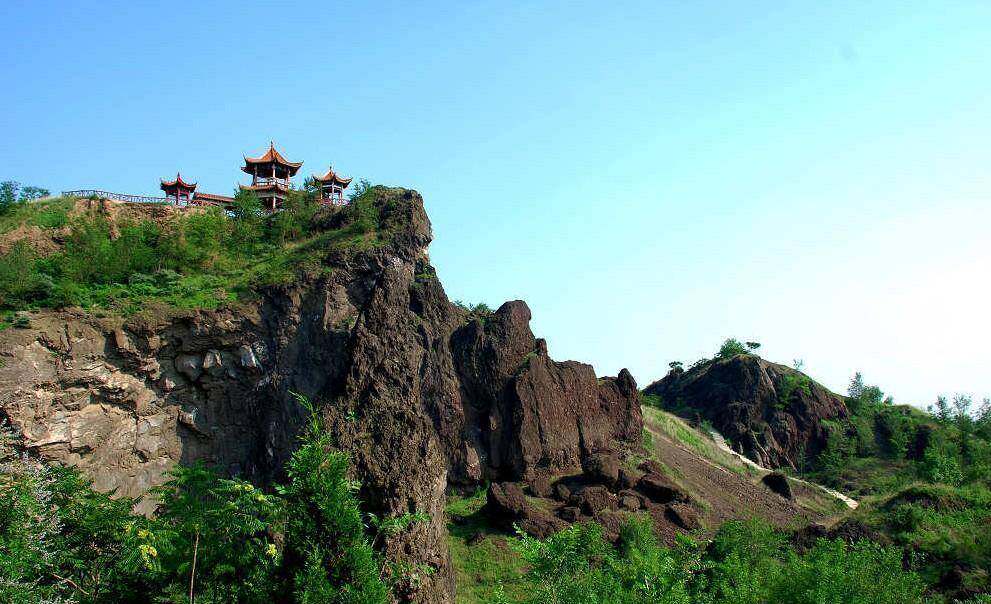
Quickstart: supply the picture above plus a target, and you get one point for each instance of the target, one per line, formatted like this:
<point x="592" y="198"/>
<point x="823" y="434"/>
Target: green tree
<point x="8" y="195"/>
<point x="965" y="425"/>
<point x="327" y="548"/>
<point x="213" y="540"/>
<point x="837" y="573"/>
<point x="32" y="194"/>
<point x="578" y="566"/>
<point x="247" y="215"/>
<point x="941" y="410"/>
<point x="295" y="219"/>
<point x="856" y="388"/>
<point x="360" y="188"/>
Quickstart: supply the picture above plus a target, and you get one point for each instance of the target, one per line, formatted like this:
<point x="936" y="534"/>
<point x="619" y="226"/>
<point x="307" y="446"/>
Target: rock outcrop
<point x="422" y="393"/>
<point x="771" y="413"/>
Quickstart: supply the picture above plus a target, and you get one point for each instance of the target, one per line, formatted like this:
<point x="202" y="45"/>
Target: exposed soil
<point x="729" y="494"/>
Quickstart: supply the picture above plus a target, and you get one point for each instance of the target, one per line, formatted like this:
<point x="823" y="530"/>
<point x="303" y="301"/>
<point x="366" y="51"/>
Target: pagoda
<point x="332" y="187"/>
<point x="178" y="190"/>
<point x="270" y="176"/>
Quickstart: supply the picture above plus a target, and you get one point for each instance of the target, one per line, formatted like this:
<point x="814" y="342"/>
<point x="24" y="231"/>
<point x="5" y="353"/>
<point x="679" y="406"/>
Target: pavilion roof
<point x="332" y="176"/>
<point x="272" y="156"/>
<point x="178" y="182"/>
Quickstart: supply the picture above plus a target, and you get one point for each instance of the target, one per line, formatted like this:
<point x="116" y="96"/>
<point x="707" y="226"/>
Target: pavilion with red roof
<point x="178" y="189"/>
<point x="332" y="187"/>
<point x="270" y="174"/>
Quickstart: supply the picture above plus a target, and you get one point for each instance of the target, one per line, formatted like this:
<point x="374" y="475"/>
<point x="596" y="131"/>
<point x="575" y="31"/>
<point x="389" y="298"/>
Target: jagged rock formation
<point x="771" y="413"/>
<point x="422" y="393"/>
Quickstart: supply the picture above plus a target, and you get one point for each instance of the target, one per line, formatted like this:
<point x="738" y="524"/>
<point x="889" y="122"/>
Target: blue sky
<point x="650" y="177"/>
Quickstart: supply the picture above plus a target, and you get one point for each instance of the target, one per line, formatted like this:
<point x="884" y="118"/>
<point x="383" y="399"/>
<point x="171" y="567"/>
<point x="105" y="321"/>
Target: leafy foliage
<point x="12" y="194"/>
<point x="730" y="348"/>
<point x="199" y="259"/>
<point x="746" y="562"/>
<point x="212" y="539"/>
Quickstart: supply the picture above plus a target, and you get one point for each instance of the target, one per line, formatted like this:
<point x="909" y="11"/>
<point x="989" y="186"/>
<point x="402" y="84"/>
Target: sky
<point x="651" y="177"/>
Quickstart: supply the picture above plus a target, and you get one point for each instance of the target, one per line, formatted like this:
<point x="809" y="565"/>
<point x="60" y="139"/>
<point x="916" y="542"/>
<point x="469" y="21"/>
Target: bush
<point x="747" y="562"/>
<point x="213" y="539"/>
<point x="731" y="348"/>
<point x="196" y="260"/>
<point x="20" y="281"/>
<point x="940" y="463"/>
<point x="789" y="385"/>
<point x="833" y="571"/>
<point x="578" y="565"/>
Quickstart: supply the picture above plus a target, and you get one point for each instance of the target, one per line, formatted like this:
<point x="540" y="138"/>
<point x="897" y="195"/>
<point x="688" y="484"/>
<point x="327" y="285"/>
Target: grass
<point x="49" y="213"/>
<point x="482" y="556"/>
<point x="862" y="477"/>
<point x="676" y="428"/>
<point x="946" y="526"/>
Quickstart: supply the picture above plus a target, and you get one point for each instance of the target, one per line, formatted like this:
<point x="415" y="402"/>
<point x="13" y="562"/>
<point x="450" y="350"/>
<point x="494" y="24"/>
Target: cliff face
<point x="771" y="413"/>
<point x="421" y="393"/>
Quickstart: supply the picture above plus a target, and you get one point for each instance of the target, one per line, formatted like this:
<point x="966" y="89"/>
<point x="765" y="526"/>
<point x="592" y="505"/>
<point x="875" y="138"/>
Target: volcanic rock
<point x="419" y="392"/>
<point x="683" y="515"/>
<point x="602" y="468"/>
<point x="743" y="397"/>
<point x="778" y="482"/>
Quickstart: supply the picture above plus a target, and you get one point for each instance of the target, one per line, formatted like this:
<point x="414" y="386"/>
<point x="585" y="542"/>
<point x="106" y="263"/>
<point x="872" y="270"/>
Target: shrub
<point x="20" y="281"/>
<point x="833" y="571"/>
<point x="578" y="565"/>
<point x="789" y="385"/>
<point x="731" y="347"/>
<point x="8" y="195"/>
<point x="940" y="463"/>
<point x="212" y="539"/>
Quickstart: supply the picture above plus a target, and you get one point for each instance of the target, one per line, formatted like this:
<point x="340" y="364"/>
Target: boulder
<point x="628" y="502"/>
<point x="594" y="498"/>
<point x="190" y="365"/>
<point x="602" y="468"/>
<point x="611" y="522"/>
<point x="570" y="514"/>
<point x="507" y="506"/>
<point x="627" y="479"/>
<point x="659" y="489"/>
<point x="562" y="492"/>
<point x="505" y="502"/>
<point x="778" y="482"/>
<point x="683" y="515"/>
<point x="540" y="487"/>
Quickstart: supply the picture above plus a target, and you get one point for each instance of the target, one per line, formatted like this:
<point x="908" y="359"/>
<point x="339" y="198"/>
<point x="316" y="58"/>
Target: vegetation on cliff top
<point x="203" y="258"/>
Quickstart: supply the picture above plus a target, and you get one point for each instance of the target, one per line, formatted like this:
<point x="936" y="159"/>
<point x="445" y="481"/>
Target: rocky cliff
<point x="424" y="394"/>
<point x="771" y="413"/>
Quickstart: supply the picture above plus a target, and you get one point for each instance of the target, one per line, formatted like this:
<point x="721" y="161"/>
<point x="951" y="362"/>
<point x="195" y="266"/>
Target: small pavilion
<point x="332" y="187"/>
<point x="270" y="174"/>
<point x="178" y="190"/>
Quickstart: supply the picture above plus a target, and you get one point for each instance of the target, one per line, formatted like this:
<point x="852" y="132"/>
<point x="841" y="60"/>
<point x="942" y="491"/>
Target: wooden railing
<point x="116" y="196"/>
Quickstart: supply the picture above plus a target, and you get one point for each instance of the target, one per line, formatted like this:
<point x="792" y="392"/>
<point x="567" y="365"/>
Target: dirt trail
<point x="722" y="444"/>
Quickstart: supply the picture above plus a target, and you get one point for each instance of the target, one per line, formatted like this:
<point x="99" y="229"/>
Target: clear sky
<point x="650" y="177"/>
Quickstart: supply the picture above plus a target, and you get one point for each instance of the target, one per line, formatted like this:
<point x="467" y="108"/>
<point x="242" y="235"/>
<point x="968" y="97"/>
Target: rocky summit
<point x="424" y="394"/>
<point x="771" y="413"/>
